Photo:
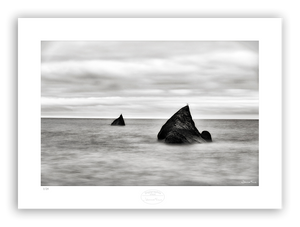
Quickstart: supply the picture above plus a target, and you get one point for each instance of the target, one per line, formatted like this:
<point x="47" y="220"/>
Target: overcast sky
<point x="142" y="79"/>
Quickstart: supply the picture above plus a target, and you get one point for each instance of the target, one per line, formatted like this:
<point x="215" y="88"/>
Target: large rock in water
<point x="180" y="128"/>
<point x="119" y="121"/>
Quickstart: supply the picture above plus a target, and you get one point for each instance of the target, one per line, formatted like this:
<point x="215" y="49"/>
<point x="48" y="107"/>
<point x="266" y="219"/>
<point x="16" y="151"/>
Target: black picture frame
<point x="136" y="216"/>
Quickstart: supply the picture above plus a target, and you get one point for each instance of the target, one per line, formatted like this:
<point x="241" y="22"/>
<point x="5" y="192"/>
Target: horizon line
<point x="87" y="117"/>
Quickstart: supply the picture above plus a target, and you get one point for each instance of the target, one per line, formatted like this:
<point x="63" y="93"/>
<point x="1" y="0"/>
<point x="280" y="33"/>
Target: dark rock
<point x="119" y="121"/>
<point x="175" y="137"/>
<point x="180" y="128"/>
<point x="206" y="135"/>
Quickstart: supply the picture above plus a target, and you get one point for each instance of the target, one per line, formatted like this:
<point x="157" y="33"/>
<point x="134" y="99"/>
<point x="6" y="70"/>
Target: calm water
<point x="90" y="152"/>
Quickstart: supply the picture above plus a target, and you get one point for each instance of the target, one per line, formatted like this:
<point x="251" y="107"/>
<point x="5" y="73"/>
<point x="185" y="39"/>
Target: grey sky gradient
<point x="149" y="79"/>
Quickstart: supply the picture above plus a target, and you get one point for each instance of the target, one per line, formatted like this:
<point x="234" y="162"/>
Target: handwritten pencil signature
<point x="248" y="182"/>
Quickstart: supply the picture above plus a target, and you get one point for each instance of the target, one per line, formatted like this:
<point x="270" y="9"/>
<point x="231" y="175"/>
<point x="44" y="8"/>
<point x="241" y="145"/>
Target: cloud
<point x="149" y="74"/>
<point x="148" y="107"/>
<point x="123" y="50"/>
<point x="81" y="72"/>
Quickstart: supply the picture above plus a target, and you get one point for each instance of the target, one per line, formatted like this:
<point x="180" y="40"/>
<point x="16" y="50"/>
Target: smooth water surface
<point x="91" y="152"/>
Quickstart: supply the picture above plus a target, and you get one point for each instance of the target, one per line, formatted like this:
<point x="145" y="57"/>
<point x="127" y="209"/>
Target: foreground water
<point x="90" y="152"/>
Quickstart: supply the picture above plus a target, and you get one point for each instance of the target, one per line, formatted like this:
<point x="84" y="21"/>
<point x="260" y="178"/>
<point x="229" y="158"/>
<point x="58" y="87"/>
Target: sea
<point x="91" y="152"/>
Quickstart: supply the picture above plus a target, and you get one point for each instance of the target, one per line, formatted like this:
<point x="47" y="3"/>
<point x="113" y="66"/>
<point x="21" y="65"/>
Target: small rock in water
<point x="119" y="121"/>
<point x="206" y="135"/>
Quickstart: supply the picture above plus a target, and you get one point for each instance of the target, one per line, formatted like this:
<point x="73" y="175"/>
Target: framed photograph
<point x="149" y="113"/>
